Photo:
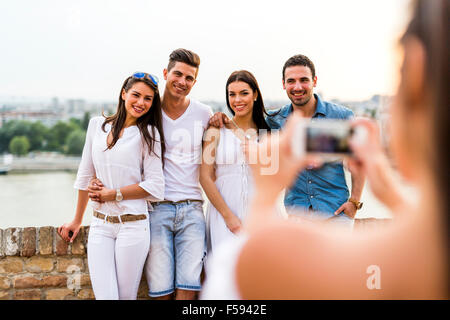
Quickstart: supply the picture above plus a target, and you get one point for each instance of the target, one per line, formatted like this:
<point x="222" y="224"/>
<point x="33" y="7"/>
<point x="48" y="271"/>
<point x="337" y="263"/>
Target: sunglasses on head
<point x="143" y="75"/>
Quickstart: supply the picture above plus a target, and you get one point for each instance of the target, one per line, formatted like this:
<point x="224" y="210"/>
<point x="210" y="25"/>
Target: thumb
<point x="74" y="235"/>
<point x="341" y="208"/>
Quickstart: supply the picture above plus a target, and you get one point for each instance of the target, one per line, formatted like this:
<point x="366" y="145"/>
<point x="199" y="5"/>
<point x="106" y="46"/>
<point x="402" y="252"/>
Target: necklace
<point x="247" y="136"/>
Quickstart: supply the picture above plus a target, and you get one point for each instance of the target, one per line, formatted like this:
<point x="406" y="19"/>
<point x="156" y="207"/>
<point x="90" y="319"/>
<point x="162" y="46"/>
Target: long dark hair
<point x="153" y="117"/>
<point x="258" y="107"/>
<point x="430" y="25"/>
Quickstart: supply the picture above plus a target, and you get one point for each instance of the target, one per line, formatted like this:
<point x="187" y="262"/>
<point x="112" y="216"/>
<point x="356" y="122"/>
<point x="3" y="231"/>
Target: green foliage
<point x="85" y="121"/>
<point x="19" y="145"/>
<point x="75" y="142"/>
<point x="37" y="135"/>
<point x="42" y="138"/>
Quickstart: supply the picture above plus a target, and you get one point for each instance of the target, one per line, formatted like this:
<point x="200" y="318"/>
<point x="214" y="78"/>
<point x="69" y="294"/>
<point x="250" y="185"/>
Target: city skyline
<point x="86" y="49"/>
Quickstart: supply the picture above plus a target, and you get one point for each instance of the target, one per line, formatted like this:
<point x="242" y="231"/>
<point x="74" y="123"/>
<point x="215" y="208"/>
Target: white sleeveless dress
<point x="235" y="184"/>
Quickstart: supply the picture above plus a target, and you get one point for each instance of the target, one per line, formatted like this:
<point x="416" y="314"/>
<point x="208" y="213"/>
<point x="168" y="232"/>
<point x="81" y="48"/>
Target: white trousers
<point x="116" y="256"/>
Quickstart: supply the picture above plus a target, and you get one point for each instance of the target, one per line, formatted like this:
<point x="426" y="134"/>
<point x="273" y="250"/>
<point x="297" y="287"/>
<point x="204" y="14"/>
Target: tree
<point x="37" y="135"/>
<point x="57" y="135"/>
<point x="85" y="121"/>
<point x="11" y="129"/>
<point x="75" y="142"/>
<point x="19" y="145"/>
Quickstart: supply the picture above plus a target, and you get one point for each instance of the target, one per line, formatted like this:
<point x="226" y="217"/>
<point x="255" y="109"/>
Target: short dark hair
<point x="185" y="56"/>
<point x="300" y="60"/>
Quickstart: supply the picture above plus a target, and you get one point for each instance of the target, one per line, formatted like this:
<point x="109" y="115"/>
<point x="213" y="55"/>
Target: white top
<point x="220" y="271"/>
<point x="234" y="181"/>
<point x="183" y="137"/>
<point x="127" y="163"/>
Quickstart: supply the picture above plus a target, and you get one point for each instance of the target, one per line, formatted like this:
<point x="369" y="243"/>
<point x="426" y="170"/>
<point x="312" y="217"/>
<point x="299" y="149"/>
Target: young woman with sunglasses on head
<point x="125" y="152"/>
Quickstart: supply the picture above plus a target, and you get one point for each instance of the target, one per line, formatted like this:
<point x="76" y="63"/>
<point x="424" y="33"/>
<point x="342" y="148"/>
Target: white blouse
<point x="127" y="163"/>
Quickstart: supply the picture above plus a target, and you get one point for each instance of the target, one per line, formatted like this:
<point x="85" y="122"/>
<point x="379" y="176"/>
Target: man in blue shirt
<point x="323" y="192"/>
<point x="320" y="193"/>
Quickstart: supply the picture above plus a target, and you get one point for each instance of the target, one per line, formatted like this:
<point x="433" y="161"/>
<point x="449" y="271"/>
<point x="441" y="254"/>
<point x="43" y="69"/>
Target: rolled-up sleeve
<point x="153" y="175"/>
<point x="86" y="170"/>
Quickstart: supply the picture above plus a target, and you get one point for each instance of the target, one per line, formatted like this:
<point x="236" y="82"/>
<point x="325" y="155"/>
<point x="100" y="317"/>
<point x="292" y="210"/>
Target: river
<point x="37" y="199"/>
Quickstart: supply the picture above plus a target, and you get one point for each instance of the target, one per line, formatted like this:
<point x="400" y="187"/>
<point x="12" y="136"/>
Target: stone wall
<point x="37" y="264"/>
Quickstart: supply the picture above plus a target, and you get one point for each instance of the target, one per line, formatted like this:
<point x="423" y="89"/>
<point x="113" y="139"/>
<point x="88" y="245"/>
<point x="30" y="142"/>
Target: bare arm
<point x="358" y="180"/>
<point x="130" y="192"/>
<point x="334" y="264"/>
<point x="370" y="160"/>
<point x="75" y="225"/>
<point x="207" y="178"/>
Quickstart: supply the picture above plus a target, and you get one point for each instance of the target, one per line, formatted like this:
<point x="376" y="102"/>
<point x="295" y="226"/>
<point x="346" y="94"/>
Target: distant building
<point x="48" y="118"/>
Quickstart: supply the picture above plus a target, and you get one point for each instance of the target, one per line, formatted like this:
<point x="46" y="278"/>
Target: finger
<point x="74" y="235"/>
<point x="97" y="182"/>
<point x="341" y="208"/>
<point x="62" y="233"/>
<point x="225" y="119"/>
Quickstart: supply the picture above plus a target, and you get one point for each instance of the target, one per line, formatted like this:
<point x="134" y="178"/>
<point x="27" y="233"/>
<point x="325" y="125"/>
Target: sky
<point x="85" y="49"/>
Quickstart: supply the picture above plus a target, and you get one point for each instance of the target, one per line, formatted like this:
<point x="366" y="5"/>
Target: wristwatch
<point x="119" y="196"/>
<point x="357" y="204"/>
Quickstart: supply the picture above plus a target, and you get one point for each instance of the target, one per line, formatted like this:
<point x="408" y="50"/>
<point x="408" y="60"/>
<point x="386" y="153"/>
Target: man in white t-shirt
<point x="177" y="225"/>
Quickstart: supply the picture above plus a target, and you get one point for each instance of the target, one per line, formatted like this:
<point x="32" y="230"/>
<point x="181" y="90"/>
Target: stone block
<point x="5" y="295"/>
<point x="2" y="250"/>
<point x="54" y="281"/>
<point x="69" y="265"/>
<point x="39" y="264"/>
<point x="27" y="282"/>
<point x="28" y="242"/>
<point x="59" y="294"/>
<point x="86" y="235"/>
<point x="61" y="245"/>
<point x="85" y="280"/>
<point x="78" y="247"/>
<point x="86" y="294"/>
<point x="12" y="241"/>
<point x="46" y="240"/>
<point x="367" y="224"/>
<point x="34" y="294"/>
<point x="143" y="291"/>
<point x="11" y="265"/>
<point x="34" y="282"/>
<point x="5" y="283"/>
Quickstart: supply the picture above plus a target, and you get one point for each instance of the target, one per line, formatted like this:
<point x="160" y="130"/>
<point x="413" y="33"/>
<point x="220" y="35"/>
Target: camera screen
<point x="329" y="138"/>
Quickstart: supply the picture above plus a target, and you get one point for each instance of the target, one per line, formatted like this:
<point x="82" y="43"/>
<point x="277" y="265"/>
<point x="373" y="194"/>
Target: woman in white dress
<point x="125" y="152"/>
<point x="224" y="173"/>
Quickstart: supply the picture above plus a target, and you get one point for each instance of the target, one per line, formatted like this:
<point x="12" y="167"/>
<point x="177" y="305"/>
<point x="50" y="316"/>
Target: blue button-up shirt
<point x="322" y="189"/>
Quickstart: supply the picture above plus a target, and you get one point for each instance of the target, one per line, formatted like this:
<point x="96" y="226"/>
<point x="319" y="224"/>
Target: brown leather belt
<point x="123" y="217"/>
<point x="178" y="202"/>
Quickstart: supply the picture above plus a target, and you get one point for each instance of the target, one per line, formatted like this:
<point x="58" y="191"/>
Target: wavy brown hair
<point x="153" y="117"/>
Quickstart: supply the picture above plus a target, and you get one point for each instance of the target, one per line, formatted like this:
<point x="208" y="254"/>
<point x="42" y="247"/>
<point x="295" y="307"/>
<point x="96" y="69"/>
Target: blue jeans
<point x="177" y="248"/>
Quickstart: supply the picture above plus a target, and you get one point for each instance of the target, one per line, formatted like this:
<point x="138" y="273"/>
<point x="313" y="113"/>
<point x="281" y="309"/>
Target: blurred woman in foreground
<point x="405" y="260"/>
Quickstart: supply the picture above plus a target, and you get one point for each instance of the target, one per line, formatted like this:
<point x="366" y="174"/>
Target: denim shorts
<point x="177" y="248"/>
